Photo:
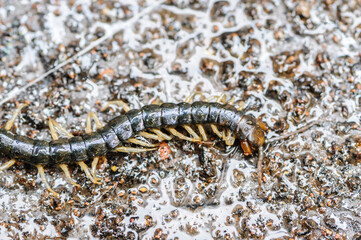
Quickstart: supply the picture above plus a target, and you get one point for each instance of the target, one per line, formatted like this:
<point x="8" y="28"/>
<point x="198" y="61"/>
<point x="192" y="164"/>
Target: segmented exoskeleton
<point x="123" y="128"/>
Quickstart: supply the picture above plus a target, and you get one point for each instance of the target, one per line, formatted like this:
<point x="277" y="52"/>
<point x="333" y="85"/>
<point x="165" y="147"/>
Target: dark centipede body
<point x="121" y="128"/>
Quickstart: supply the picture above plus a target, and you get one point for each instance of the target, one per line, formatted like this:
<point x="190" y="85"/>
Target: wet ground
<point x="286" y="62"/>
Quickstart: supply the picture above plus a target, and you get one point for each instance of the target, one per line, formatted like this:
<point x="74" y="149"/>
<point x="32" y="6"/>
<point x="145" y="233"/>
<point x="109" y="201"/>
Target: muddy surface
<point x="285" y="62"/>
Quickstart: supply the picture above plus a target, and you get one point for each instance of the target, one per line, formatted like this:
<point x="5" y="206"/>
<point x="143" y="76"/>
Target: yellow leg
<point x="161" y="134"/>
<point x="16" y="113"/>
<point x="85" y="168"/>
<point x="193" y="94"/>
<point x="119" y="103"/>
<point x="8" y="127"/>
<point x="229" y="138"/>
<point x="55" y="127"/>
<point x="88" y="129"/>
<point x="65" y="169"/>
<point x="181" y="136"/>
<point x="219" y="99"/>
<point x="202" y="132"/>
<point x="192" y="132"/>
<point x="231" y="102"/>
<point x="211" y="98"/>
<point x="133" y="150"/>
<point x="94" y="168"/>
<point x="216" y="131"/>
<point x="42" y="175"/>
<point x="240" y="106"/>
<point x="141" y="143"/>
<point x="93" y="116"/>
<point x="151" y="136"/>
<point x="7" y="165"/>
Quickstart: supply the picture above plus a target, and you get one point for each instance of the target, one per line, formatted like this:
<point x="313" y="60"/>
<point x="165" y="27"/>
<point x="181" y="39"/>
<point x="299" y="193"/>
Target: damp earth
<point x="287" y="63"/>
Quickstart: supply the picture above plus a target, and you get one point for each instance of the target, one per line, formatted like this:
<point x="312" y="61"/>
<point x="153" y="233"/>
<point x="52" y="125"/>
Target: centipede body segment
<point x="122" y="129"/>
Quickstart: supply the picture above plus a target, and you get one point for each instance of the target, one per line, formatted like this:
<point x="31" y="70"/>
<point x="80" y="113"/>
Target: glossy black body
<point x="121" y="128"/>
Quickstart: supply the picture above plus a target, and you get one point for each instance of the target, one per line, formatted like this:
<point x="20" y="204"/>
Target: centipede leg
<point x="43" y="178"/>
<point x="8" y="126"/>
<point x="216" y="131"/>
<point x="119" y="103"/>
<point x="86" y="170"/>
<point x="65" y="169"/>
<point x="133" y="150"/>
<point x="181" y="136"/>
<point x="16" y="113"/>
<point x="7" y="165"/>
<point x="151" y="136"/>
<point x="192" y="132"/>
<point x="202" y="132"/>
<point x="229" y="138"/>
<point x="232" y="101"/>
<point x="219" y="99"/>
<point x="54" y="127"/>
<point x="88" y="129"/>
<point x="93" y="169"/>
<point x="193" y="94"/>
<point x="161" y="134"/>
<point x="141" y="143"/>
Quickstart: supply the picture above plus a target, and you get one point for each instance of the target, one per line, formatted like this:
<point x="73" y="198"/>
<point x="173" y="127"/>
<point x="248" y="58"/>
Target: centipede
<point x="157" y="122"/>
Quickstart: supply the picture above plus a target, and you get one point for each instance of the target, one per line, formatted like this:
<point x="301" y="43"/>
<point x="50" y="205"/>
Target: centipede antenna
<point x="192" y="132"/>
<point x="65" y="169"/>
<point x="161" y="134"/>
<point x="259" y="168"/>
<point x="287" y="135"/>
<point x="216" y="131"/>
<point x="181" y="136"/>
<point x="202" y="132"/>
<point x="133" y="150"/>
<point x="7" y="165"/>
<point x="141" y="143"/>
<point x="85" y="168"/>
<point x="16" y="113"/>
<point x="119" y="103"/>
<point x="43" y="178"/>
<point x="151" y="136"/>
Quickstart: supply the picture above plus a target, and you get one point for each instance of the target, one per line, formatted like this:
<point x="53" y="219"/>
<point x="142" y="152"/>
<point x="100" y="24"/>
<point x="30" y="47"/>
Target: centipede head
<point x="249" y="130"/>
